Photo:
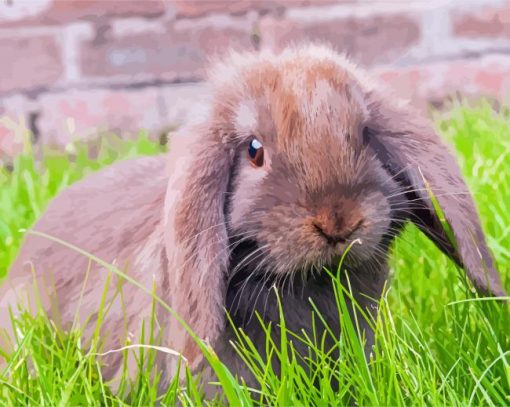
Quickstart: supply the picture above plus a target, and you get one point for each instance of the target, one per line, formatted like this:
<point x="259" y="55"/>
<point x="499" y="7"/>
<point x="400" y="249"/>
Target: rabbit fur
<point x="343" y="160"/>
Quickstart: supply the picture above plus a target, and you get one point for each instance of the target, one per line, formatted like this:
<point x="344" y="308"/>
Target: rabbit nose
<point x="332" y="239"/>
<point x="333" y="227"/>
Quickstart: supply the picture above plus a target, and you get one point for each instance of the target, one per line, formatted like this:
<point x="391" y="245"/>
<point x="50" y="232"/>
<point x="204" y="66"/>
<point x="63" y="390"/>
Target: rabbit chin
<point x="255" y="290"/>
<point x="248" y="261"/>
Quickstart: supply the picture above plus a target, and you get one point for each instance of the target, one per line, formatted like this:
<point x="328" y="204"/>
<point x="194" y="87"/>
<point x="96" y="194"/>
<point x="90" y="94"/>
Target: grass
<point x="436" y="343"/>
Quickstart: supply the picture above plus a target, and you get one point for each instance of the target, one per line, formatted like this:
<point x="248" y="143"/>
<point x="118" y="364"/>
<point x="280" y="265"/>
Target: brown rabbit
<point x="299" y="155"/>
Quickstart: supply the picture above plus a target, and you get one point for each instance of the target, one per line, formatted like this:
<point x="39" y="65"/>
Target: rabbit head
<point x="299" y="156"/>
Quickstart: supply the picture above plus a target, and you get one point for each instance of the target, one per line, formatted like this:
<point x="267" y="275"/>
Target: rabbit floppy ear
<point x="196" y="236"/>
<point x="413" y="154"/>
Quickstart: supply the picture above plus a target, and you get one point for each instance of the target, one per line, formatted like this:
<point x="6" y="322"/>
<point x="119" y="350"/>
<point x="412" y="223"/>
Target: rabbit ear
<point x="413" y="154"/>
<point x="196" y="236"/>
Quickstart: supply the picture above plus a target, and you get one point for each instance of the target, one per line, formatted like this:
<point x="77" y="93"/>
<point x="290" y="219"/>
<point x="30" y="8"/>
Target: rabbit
<point x="299" y="155"/>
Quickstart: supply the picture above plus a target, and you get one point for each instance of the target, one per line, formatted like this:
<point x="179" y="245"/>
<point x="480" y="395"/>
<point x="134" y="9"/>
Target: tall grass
<point x="436" y="342"/>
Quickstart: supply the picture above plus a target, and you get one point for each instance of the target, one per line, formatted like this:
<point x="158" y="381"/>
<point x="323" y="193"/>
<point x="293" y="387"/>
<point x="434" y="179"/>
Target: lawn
<point x="436" y="343"/>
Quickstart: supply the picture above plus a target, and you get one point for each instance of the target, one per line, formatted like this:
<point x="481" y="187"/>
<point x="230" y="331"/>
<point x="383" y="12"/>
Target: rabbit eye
<point x="256" y="153"/>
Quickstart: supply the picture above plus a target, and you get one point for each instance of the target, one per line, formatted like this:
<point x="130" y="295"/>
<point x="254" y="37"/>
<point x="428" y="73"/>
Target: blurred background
<point x="71" y="69"/>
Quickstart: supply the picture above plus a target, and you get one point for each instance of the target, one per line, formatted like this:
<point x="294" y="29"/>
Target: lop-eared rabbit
<point x="299" y="155"/>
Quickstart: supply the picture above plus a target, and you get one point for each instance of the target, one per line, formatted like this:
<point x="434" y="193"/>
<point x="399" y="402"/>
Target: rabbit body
<point x="87" y="215"/>
<point x="70" y="284"/>
<point x="299" y="156"/>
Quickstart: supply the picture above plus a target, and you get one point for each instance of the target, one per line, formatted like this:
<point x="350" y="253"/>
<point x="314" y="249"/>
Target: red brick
<point x="10" y="144"/>
<point x="483" y="22"/>
<point x="368" y="40"/>
<point x="174" y="54"/>
<point x="78" y="114"/>
<point x="485" y="77"/>
<point x="29" y="62"/>
<point x="184" y="102"/>
<point x="63" y="11"/>
<point x="13" y="125"/>
<point x="198" y="8"/>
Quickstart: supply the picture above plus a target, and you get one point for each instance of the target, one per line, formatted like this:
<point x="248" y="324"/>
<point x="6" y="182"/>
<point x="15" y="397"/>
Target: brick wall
<point x="71" y="68"/>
